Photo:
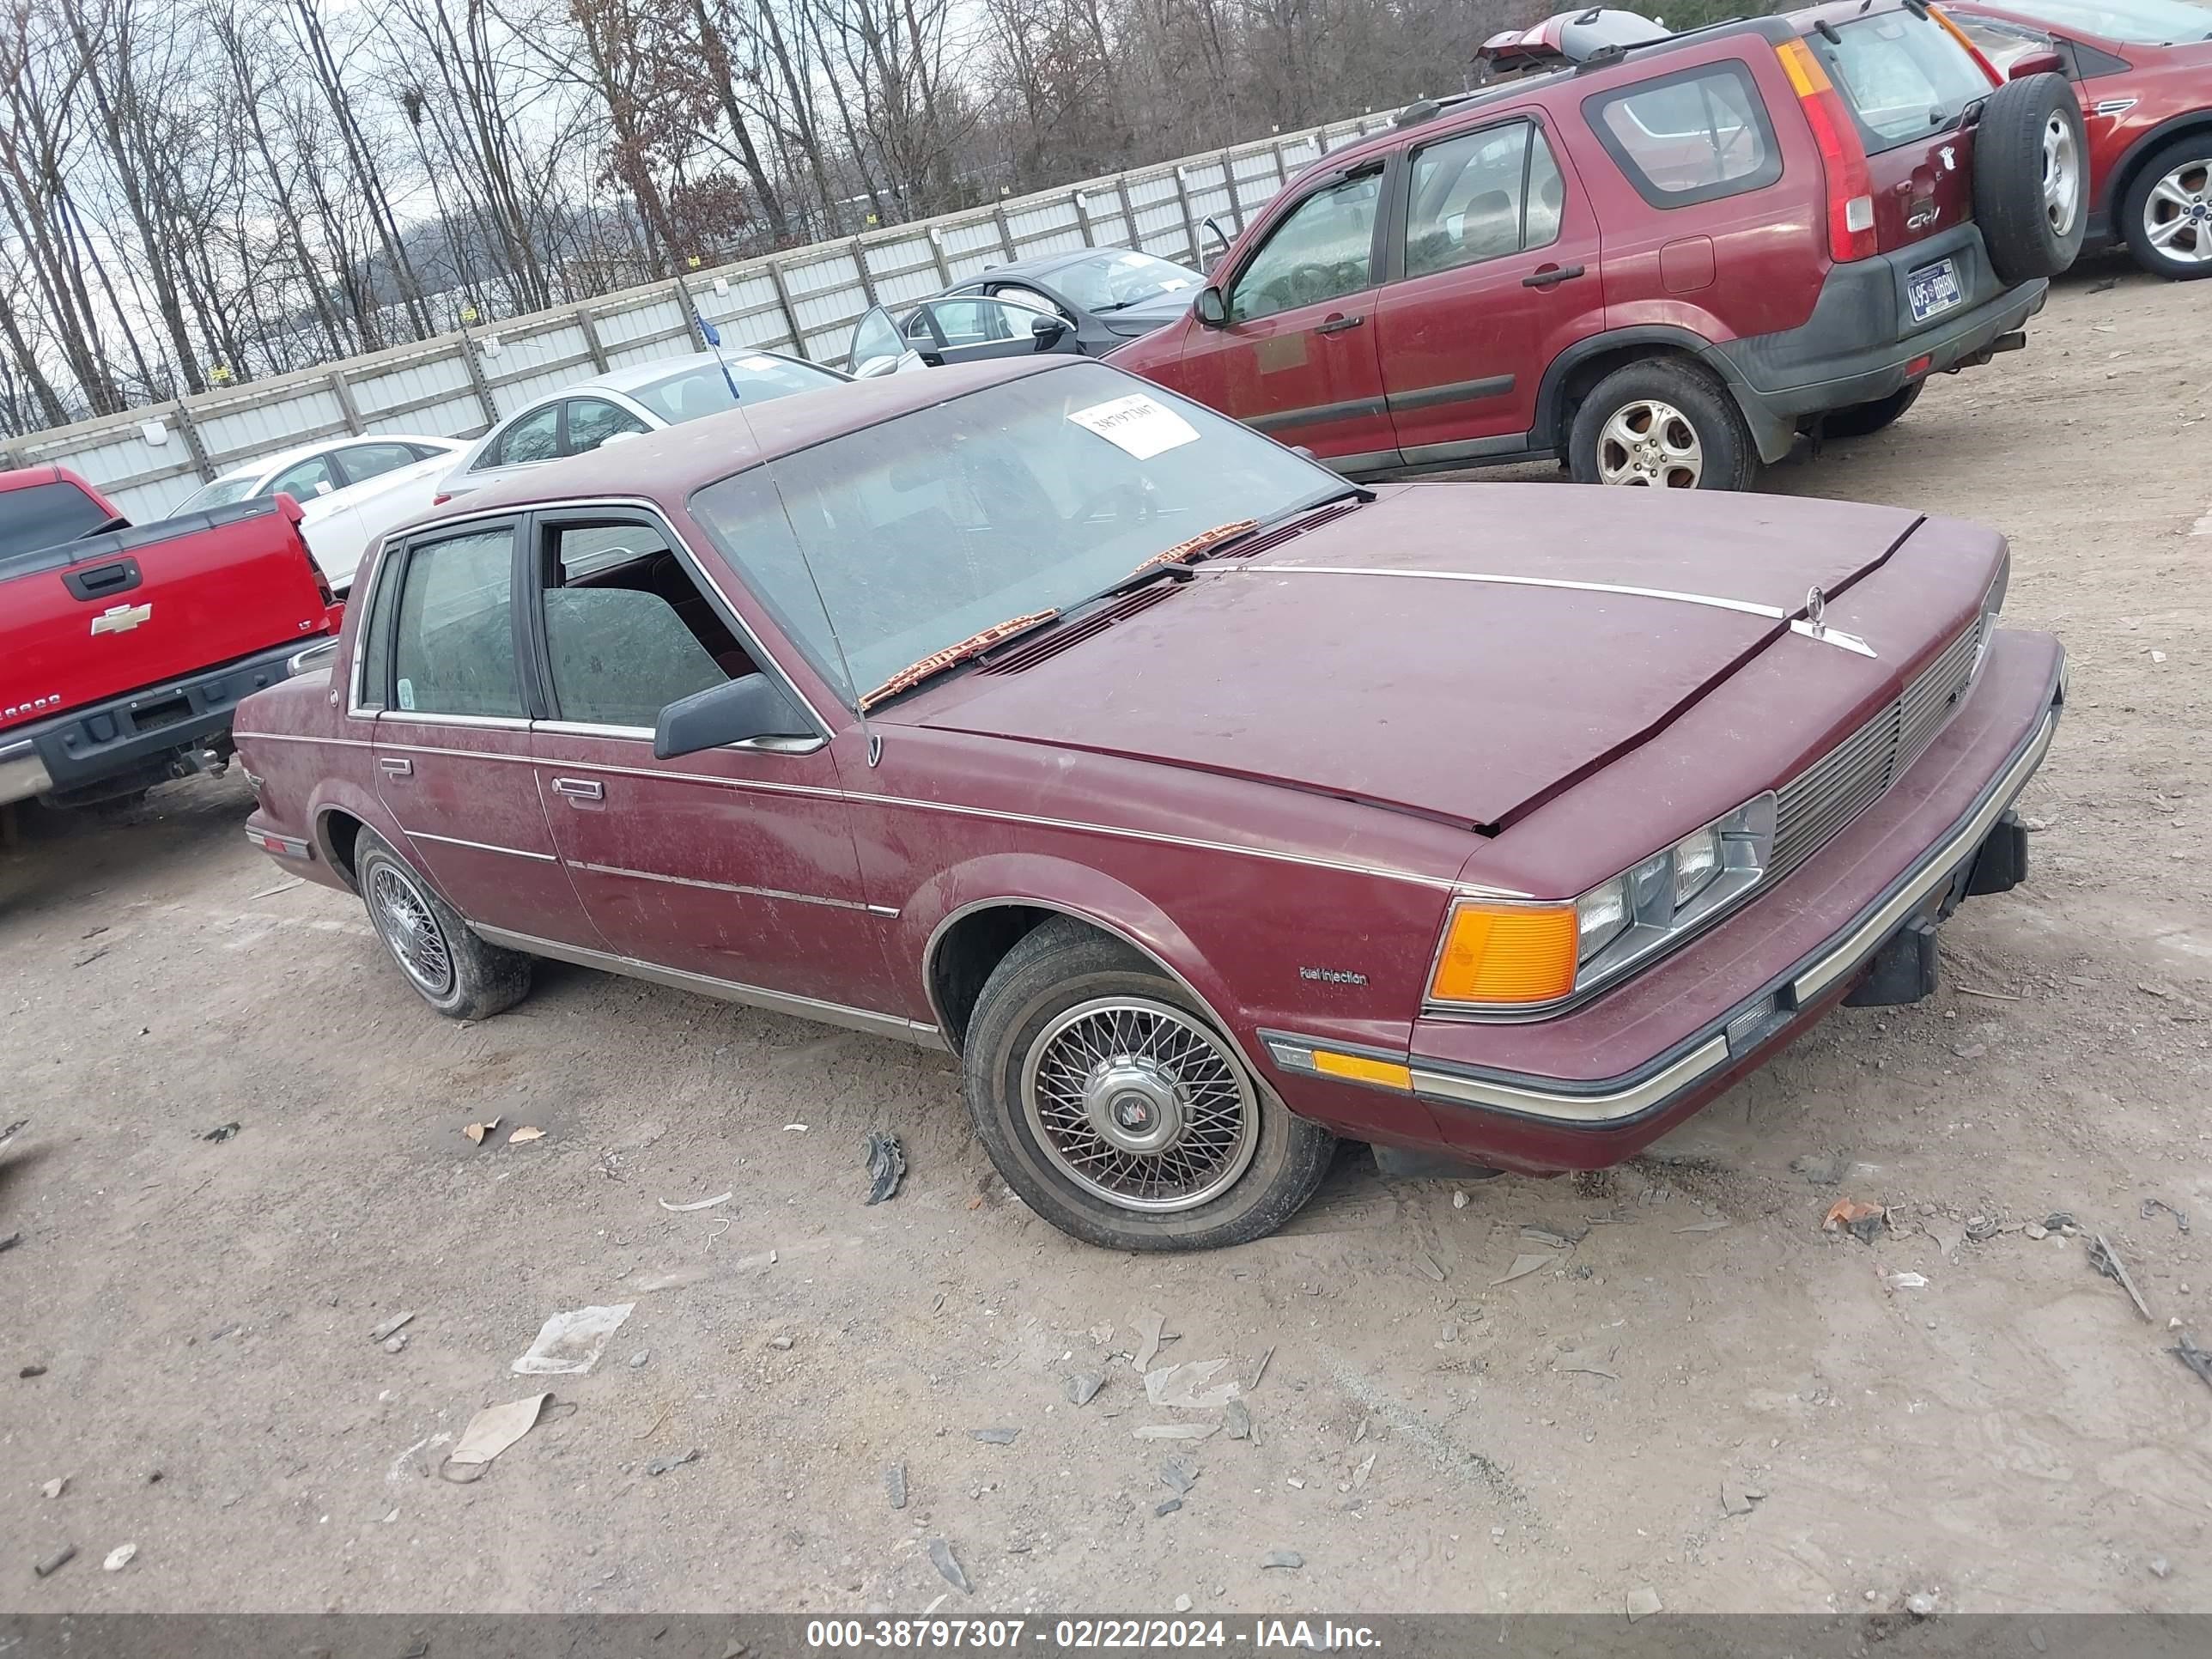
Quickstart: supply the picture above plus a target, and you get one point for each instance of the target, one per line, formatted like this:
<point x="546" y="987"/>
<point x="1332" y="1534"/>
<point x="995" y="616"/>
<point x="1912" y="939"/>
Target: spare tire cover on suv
<point x="2031" y="178"/>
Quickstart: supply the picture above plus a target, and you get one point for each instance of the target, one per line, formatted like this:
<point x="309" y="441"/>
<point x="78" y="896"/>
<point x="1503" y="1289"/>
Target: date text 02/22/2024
<point x="1086" y="1635"/>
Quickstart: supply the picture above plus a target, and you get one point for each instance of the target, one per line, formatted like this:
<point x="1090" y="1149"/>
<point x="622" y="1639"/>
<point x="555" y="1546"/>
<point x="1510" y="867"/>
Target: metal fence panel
<point x="805" y="300"/>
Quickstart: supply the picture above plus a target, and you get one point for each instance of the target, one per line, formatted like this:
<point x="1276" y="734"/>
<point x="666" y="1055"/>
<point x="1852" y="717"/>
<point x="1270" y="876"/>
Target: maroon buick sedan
<point x="1208" y="807"/>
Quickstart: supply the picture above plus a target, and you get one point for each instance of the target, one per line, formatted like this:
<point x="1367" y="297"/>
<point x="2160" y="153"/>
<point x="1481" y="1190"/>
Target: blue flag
<point x="708" y="331"/>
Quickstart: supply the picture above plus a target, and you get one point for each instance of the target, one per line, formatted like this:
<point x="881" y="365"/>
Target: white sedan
<point x="351" y="490"/>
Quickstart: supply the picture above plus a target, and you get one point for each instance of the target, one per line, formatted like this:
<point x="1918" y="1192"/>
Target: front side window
<point x="593" y="421"/>
<point x="628" y="631"/>
<point x="1902" y="75"/>
<point x="1480" y="195"/>
<point x="873" y="550"/>
<point x="1695" y="135"/>
<point x="363" y="461"/>
<point x="533" y="437"/>
<point x="452" y="649"/>
<point x="981" y="320"/>
<point x="1324" y="250"/>
<point x="304" y="481"/>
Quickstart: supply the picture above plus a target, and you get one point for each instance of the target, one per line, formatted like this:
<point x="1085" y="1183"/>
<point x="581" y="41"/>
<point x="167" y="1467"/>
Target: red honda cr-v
<point x="1664" y="263"/>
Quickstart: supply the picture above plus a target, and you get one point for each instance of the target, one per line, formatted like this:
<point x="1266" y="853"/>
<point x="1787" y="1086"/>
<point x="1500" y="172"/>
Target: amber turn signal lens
<point x="1387" y="1074"/>
<point x="1506" y="953"/>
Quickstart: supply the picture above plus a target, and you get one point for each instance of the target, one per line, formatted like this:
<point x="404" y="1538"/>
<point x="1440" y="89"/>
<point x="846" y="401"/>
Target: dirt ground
<point x="2010" y="1436"/>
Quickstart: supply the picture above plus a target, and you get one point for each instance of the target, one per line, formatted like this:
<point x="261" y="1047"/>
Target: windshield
<point x="1903" y="75"/>
<point x="46" y="515"/>
<point x="221" y="493"/>
<point x="2148" y="23"/>
<point x="1110" y="281"/>
<point x="1028" y="495"/>
<point x="706" y="390"/>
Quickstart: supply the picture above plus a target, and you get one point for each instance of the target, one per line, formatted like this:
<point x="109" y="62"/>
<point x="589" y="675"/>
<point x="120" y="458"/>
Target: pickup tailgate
<point x="111" y="614"/>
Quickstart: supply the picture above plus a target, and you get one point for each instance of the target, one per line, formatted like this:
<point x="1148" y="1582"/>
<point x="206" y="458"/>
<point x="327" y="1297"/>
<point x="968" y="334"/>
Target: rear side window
<point x="46" y="515"/>
<point x="535" y="437"/>
<point x="1902" y="75"/>
<point x="453" y="651"/>
<point x="1483" y="194"/>
<point x="1695" y="135"/>
<point x="361" y="462"/>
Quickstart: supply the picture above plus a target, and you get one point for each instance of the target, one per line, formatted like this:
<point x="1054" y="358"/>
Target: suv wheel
<point x="1108" y="1100"/>
<point x="2032" y="178"/>
<point x="1665" y="424"/>
<point x="2167" y="216"/>
<point x="450" y="968"/>
<point x="1858" y="420"/>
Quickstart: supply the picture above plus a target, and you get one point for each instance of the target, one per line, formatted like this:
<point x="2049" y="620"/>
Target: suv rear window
<point x="1695" y="135"/>
<point x="1904" y="76"/>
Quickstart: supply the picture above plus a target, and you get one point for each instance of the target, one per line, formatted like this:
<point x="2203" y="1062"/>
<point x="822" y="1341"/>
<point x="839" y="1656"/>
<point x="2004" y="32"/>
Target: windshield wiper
<point x="953" y="655"/>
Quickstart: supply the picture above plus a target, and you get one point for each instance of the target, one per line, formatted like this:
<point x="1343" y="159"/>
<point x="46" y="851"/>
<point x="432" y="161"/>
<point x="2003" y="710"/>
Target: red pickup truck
<point x="123" y="648"/>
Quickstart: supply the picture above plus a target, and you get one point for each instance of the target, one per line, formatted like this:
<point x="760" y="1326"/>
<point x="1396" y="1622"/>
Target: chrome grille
<point x="1818" y="802"/>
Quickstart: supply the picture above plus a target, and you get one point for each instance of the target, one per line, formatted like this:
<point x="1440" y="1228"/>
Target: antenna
<point x="871" y="738"/>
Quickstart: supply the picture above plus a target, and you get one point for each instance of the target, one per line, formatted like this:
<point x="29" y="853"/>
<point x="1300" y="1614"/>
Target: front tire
<point x="450" y="968"/>
<point x="2167" y="216"/>
<point x="1110" y="1102"/>
<point x="1663" y="424"/>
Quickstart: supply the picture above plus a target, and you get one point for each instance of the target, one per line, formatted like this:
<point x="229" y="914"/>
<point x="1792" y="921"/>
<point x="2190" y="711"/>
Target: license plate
<point x="1933" y="289"/>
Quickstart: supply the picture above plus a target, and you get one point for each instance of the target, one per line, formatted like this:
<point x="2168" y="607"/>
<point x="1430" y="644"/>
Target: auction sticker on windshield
<point x="1137" y="424"/>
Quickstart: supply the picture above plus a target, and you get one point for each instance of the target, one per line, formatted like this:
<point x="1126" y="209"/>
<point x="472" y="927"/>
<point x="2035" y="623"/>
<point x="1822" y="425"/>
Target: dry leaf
<point x="477" y="1132"/>
<point x="525" y="1132"/>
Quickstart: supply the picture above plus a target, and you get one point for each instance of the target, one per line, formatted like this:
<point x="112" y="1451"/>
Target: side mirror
<point x="2043" y="60"/>
<point x="737" y="711"/>
<point x="1047" y="332"/>
<point x="1212" y="310"/>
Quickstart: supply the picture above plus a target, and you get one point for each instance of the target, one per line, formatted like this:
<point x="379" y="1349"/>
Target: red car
<point x="1662" y="263"/>
<point x="2144" y="71"/>
<point x="1208" y="806"/>
<point x="124" y="650"/>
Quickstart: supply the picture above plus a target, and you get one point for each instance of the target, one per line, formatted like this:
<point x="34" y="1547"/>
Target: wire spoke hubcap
<point x="1141" y="1104"/>
<point x="2178" y="213"/>
<point x="1652" y="444"/>
<point x="2062" y="175"/>
<point x="409" y="930"/>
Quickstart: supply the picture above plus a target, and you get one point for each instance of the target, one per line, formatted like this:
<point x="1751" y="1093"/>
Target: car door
<point x="878" y="348"/>
<point x="452" y="734"/>
<point x="970" y="328"/>
<point x="1494" y="262"/>
<point x="1295" y="354"/>
<point x="736" y="863"/>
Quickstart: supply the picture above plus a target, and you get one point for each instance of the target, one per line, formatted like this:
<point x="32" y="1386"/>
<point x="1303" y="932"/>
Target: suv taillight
<point x="1843" y="158"/>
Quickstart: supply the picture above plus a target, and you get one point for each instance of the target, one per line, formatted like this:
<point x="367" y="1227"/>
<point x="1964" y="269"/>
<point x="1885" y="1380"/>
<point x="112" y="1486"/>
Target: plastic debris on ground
<point x="118" y="1557"/>
<point x="477" y="1132"/>
<point x="528" y="1133"/>
<point x="2198" y="1359"/>
<point x="993" y="1436"/>
<point x="1082" y="1388"/>
<point x="886" y="1167"/>
<point x="1151" y="1327"/>
<point x="940" y="1555"/>
<point x="1190" y="1386"/>
<point x="570" y="1344"/>
<point x="696" y="1204"/>
<point x="662" y="1464"/>
<point x="491" y="1432"/>
<point x="2106" y="1261"/>
<point x="894" y="1485"/>
<point x="1524" y="1264"/>
<point x="1284" y="1560"/>
<point x="379" y="1333"/>
<point x="1863" y="1221"/>
<point x="221" y="1131"/>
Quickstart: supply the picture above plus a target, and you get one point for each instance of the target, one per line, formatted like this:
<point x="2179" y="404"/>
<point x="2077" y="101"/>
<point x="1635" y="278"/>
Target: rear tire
<point x="2167" y="216"/>
<point x="2032" y="178"/>
<point x="450" y="968"/>
<point x="1074" y="1029"/>
<point x="1663" y="424"/>
<point x="1862" y="420"/>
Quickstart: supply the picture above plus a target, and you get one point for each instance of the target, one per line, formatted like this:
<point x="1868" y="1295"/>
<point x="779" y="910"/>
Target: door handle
<point x="581" y="788"/>
<point x="1338" y="324"/>
<point x="1551" y="276"/>
<point x="396" y="766"/>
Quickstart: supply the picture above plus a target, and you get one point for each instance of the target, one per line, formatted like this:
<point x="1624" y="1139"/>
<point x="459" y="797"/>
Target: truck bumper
<point x="1651" y="1053"/>
<point x="134" y="741"/>
<point x="1861" y="343"/>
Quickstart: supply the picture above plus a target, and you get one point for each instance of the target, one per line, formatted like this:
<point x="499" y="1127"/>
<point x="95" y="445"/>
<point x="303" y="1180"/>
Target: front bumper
<point x="1593" y="1086"/>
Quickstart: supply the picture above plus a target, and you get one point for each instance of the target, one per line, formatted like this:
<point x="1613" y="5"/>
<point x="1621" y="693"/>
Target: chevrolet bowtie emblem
<point x="121" y="618"/>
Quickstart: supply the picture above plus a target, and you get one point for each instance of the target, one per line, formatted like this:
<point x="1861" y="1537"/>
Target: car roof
<point x="668" y="465"/>
<point x="280" y="459"/>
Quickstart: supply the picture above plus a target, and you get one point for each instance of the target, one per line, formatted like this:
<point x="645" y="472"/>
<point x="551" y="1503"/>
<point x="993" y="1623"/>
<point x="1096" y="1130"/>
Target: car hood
<point x="1148" y="314"/>
<point x="1378" y="656"/>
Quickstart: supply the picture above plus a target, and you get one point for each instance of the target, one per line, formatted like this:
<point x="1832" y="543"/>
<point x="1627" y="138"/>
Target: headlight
<point x="1511" y="957"/>
<point x="1992" y="603"/>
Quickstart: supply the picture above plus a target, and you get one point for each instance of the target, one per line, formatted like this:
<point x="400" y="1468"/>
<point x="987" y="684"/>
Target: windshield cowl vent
<point x="1282" y="533"/>
<point x="1029" y="655"/>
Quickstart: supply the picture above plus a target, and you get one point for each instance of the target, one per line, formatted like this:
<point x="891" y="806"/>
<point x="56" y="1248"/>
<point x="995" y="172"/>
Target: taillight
<point x="1843" y="158"/>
